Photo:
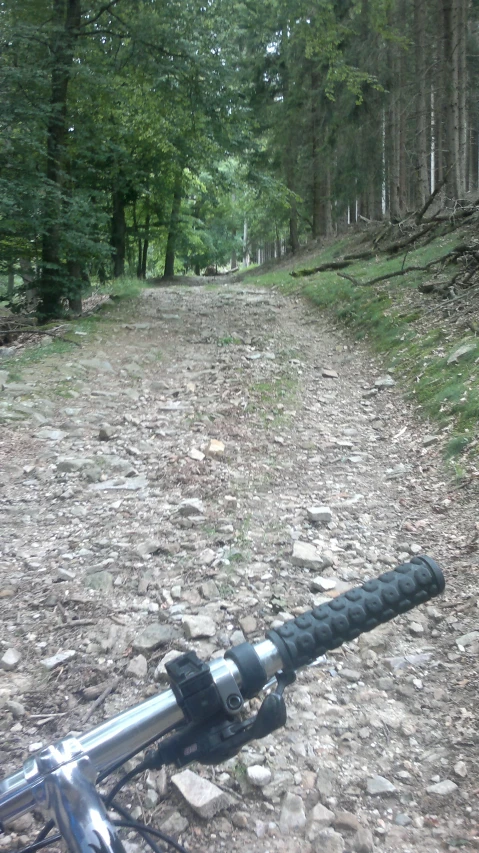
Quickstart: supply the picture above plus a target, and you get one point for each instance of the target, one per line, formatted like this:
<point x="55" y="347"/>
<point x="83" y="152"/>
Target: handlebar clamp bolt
<point x="234" y="702"/>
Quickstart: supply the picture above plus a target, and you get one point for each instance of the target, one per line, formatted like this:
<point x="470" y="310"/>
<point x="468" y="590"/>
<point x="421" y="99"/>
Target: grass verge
<point x="416" y="337"/>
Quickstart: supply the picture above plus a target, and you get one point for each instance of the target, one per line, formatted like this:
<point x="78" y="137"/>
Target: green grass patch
<point x="226" y="340"/>
<point x="126" y="287"/>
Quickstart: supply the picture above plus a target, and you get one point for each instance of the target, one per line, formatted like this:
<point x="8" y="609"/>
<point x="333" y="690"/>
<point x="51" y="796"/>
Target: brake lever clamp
<point x="220" y="738"/>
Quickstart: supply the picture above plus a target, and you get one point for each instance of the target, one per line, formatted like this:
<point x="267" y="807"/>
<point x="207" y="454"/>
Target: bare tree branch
<point x="105" y="8"/>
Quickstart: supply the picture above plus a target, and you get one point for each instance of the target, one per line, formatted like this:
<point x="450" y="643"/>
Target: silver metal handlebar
<point x="123" y="736"/>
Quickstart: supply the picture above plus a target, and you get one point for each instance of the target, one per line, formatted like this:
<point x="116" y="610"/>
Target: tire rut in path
<point x="225" y="415"/>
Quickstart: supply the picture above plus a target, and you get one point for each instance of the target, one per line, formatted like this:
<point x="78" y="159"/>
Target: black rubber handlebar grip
<point x="302" y="640"/>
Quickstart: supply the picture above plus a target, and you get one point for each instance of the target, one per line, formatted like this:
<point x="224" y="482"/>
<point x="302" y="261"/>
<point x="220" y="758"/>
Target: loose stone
<point x="307" y="556"/>
<point x="363" y="841"/>
<point x="378" y="785"/>
<point x="293" y="815"/>
<point x="155" y="636"/>
<point x="205" y="798"/>
<point x="320" y="818"/>
<point x="259" y="775"/>
<point x="10" y="659"/>
<point x="59" y="659"/>
<point x="191" y="506"/>
<point x="442" y="789"/>
<point x="328" y="841"/>
<point x="320" y="513"/>
<point x="138" y="667"/>
<point x="199" y="626"/>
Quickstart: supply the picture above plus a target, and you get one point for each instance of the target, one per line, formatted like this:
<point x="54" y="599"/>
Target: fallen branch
<point x="403" y="271"/>
<point x="462" y="213"/>
<point x="333" y="265"/>
<point x="110" y="688"/>
<point x="384" y="232"/>
<point x="349" y="278"/>
<point x="419" y="215"/>
<point x="359" y="256"/>
<point x="401" y="244"/>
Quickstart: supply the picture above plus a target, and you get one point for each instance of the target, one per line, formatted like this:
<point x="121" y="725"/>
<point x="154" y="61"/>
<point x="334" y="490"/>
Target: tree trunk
<point x="169" y="270"/>
<point x="453" y="31"/>
<point x="462" y="94"/>
<point x="246" y="256"/>
<point x="67" y="19"/>
<point x="234" y="258"/>
<point x="144" y="259"/>
<point x="118" y="233"/>
<point x="76" y="281"/>
<point x="10" y="283"/>
<point x="315" y="156"/>
<point x="421" y="56"/>
<point x="143" y="256"/>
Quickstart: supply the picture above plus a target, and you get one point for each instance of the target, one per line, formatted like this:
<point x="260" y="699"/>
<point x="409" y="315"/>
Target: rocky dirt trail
<point x="209" y="463"/>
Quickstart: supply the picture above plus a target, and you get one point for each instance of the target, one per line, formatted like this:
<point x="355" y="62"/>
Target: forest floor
<point x="255" y="408"/>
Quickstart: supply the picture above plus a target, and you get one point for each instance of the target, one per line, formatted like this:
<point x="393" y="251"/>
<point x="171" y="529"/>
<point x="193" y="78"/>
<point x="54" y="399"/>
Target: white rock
<point x="293" y="815"/>
<point x="10" y="659"/>
<point x="307" y="556"/>
<point x="60" y="658"/>
<point x="320" y="818"/>
<point x="199" y="626"/>
<point x="207" y="557"/>
<point x="138" y="667"/>
<point x="320" y="584"/>
<point x="196" y="454"/>
<point x="442" y="789"/>
<point x="204" y="797"/>
<point x="460" y="769"/>
<point x="384" y="382"/>
<point x="259" y="775"/>
<point x="215" y="448"/>
<point x="191" y="506"/>
<point x="320" y="513"/>
<point x="377" y="785"/>
<point x="468" y="639"/>
<point x="464" y="349"/>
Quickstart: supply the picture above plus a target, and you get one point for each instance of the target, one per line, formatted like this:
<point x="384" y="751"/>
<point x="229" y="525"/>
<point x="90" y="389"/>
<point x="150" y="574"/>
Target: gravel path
<point x="154" y="494"/>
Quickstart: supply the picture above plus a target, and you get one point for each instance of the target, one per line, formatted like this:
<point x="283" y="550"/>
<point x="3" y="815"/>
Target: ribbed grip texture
<point x="302" y="640"/>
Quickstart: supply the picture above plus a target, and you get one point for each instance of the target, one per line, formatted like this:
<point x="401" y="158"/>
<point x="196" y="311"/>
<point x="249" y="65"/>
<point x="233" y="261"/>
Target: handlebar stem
<point x="62" y="782"/>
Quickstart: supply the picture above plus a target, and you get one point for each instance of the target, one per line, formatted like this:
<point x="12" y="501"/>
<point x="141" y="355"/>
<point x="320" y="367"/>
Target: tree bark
<point x="453" y="32"/>
<point x="462" y="94"/>
<point x="10" y="283"/>
<point x="422" y="180"/>
<point x="169" y="270"/>
<point x="315" y="158"/>
<point x="67" y="19"/>
<point x="118" y="233"/>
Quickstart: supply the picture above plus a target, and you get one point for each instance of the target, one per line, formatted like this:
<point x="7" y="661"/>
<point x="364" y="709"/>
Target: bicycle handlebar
<point x="295" y="644"/>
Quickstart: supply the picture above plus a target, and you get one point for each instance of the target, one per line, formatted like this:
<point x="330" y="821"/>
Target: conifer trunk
<point x="66" y="23"/>
<point x="422" y="180"/>
<point x="118" y="233"/>
<point x="169" y="270"/>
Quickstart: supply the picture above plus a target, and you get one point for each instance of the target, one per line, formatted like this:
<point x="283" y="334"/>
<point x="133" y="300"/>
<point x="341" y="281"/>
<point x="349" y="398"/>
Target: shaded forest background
<point x="156" y="138"/>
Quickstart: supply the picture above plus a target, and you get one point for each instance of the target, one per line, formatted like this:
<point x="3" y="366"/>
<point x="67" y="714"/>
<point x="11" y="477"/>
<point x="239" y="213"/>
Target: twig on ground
<point x="110" y="688"/>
